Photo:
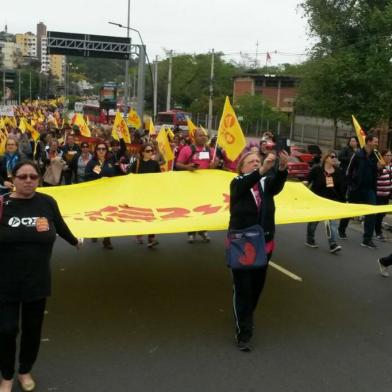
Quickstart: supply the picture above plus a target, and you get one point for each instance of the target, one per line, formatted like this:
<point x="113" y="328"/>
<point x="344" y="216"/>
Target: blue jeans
<point x="331" y="229"/>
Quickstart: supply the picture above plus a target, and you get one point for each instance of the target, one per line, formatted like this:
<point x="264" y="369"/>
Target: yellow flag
<point x="2" y="124"/>
<point x="230" y="136"/>
<point x="34" y="133"/>
<point x="22" y="125"/>
<point x="359" y="131"/>
<point x="151" y="128"/>
<point x="191" y="128"/>
<point x="170" y="133"/>
<point x="164" y="146"/>
<point x="84" y="129"/>
<point x="134" y="119"/>
<point x="361" y="135"/>
<point x="120" y="129"/>
<point x="3" y="141"/>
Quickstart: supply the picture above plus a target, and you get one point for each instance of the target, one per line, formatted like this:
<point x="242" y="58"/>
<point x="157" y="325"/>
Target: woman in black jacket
<point x="145" y="164"/>
<point x="101" y="165"/>
<point x="347" y="152"/>
<point x="326" y="180"/>
<point x="29" y="222"/>
<point x="252" y="203"/>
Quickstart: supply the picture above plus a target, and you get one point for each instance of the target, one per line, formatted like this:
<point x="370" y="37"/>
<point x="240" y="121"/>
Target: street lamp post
<point x="126" y="87"/>
<point x="141" y="69"/>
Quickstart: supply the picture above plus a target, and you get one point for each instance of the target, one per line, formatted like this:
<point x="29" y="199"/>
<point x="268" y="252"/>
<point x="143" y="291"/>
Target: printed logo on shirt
<point x="27" y="222"/>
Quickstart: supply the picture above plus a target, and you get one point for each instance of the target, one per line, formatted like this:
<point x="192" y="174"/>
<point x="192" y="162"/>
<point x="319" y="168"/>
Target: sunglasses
<point x="148" y="150"/>
<point x="84" y="146"/>
<point x="23" y="177"/>
<point x="332" y="156"/>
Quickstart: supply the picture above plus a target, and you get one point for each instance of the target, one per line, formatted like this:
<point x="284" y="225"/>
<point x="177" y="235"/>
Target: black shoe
<point x="152" y="243"/>
<point x="333" y="248"/>
<point x="243" y="346"/>
<point x="311" y="244"/>
<point x="381" y="237"/>
<point x="383" y="269"/>
<point x="107" y="244"/>
<point x="368" y="244"/>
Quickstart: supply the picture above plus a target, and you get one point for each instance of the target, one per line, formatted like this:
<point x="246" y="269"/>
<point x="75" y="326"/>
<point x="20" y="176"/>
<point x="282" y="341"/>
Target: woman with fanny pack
<point x="252" y="211"/>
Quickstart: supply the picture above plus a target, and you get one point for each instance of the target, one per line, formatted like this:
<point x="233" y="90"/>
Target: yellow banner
<point x="174" y="202"/>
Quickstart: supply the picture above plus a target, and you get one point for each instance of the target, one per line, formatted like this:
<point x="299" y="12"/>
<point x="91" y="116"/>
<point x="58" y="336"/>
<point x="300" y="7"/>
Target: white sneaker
<point x="191" y="238"/>
<point x="383" y="270"/>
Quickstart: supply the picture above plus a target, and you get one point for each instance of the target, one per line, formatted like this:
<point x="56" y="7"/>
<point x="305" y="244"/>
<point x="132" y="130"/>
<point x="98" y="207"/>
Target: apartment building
<point x="279" y="90"/>
<point x="10" y="55"/>
<point x="27" y="43"/>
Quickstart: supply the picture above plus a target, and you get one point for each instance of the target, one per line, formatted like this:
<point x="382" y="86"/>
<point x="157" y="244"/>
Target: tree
<point x="349" y="71"/>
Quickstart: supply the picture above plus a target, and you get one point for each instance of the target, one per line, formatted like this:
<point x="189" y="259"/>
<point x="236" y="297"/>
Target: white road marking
<point x="285" y="271"/>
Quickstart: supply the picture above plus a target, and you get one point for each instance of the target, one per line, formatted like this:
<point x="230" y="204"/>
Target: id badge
<point x="329" y="181"/>
<point x="97" y="169"/>
<point x="42" y="224"/>
<point x="204" y="155"/>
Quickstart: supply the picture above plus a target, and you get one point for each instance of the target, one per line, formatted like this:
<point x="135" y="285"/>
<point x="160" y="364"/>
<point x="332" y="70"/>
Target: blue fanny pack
<point x="245" y="248"/>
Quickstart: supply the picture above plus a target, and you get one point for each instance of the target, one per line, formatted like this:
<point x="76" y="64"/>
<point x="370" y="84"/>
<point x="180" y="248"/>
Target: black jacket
<point x="107" y="169"/>
<point x="318" y="183"/>
<point x="243" y="208"/>
<point x="344" y="157"/>
<point x="362" y="172"/>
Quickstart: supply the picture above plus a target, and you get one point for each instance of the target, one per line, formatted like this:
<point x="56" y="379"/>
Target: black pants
<point x="381" y="200"/>
<point x="247" y="287"/>
<point x="363" y="197"/>
<point x="31" y="315"/>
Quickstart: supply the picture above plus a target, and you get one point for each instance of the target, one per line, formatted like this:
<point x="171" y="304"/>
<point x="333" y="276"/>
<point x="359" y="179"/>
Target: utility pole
<point x="30" y="86"/>
<point x="257" y="52"/>
<point x="169" y="82"/>
<point x="155" y="87"/>
<point x="211" y="93"/>
<point x="141" y="80"/>
<point x="3" y="86"/>
<point x="19" y="86"/>
<point x="126" y="86"/>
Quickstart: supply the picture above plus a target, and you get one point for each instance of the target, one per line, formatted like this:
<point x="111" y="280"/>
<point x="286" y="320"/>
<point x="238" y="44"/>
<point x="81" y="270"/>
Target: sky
<point x="234" y="27"/>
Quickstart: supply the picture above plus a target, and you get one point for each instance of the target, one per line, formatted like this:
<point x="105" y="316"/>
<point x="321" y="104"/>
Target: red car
<point x="301" y="153"/>
<point x="297" y="169"/>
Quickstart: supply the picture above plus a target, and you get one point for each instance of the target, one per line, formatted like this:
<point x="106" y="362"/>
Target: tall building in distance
<point x="45" y="59"/>
<point x="41" y="32"/>
<point x="57" y="66"/>
<point x="27" y="44"/>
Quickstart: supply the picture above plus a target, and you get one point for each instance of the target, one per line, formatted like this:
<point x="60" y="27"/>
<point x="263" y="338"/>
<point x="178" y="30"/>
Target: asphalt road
<point x="135" y="319"/>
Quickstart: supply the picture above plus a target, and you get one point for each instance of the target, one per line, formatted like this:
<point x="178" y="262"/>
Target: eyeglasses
<point x="149" y="150"/>
<point x="101" y="149"/>
<point x="84" y="146"/>
<point x="24" y="177"/>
